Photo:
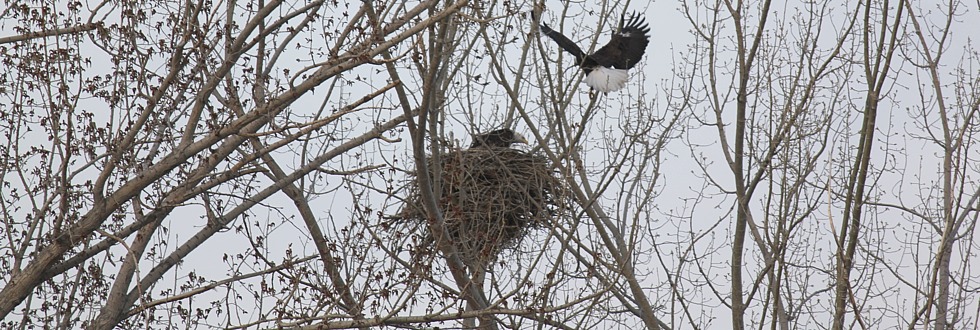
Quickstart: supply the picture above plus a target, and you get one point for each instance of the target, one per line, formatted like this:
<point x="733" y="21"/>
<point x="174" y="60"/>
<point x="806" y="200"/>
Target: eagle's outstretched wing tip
<point x="637" y="23"/>
<point x="545" y="28"/>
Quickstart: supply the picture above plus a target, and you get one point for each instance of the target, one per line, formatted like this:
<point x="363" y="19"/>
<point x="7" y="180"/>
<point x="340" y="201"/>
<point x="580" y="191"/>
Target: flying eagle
<point x="606" y="70"/>
<point x="501" y="138"/>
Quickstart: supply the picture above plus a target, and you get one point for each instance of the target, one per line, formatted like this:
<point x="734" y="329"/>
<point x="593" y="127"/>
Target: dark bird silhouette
<point x="607" y="69"/>
<point x="501" y="138"/>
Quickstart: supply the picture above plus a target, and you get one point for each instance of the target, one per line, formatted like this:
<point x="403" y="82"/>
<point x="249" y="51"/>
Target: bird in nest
<point x="501" y="138"/>
<point x="607" y="69"/>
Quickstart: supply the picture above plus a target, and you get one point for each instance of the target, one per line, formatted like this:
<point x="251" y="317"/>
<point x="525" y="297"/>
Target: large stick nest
<point x="490" y="199"/>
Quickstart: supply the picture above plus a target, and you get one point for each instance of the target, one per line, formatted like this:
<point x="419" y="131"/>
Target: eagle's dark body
<point x="501" y="138"/>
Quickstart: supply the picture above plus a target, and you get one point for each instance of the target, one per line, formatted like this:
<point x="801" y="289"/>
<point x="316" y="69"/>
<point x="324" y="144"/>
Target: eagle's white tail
<point x="606" y="80"/>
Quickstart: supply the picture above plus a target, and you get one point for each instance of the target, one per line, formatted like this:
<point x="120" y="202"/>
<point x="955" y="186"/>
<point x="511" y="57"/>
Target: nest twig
<point x="490" y="199"/>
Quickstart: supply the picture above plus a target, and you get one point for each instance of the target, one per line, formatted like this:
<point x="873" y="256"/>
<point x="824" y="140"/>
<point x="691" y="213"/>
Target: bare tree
<point x="196" y="112"/>
<point x="879" y="34"/>
<point x="249" y="164"/>
<point x="778" y="85"/>
<point x="949" y="99"/>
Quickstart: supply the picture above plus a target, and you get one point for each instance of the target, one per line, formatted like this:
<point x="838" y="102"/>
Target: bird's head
<point x="501" y="138"/>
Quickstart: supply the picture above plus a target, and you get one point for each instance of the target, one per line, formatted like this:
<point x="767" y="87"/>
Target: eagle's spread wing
<point x="627" y="45"/>
<point x="564" y="43"/>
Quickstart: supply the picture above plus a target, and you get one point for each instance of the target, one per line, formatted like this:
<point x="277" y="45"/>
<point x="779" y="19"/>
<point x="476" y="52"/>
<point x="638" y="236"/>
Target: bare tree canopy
<point x="270" y="164"/>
